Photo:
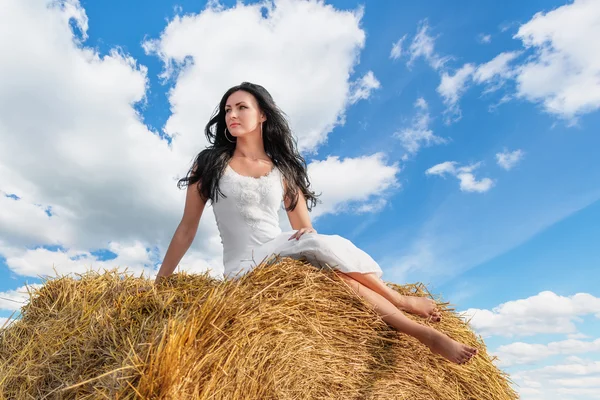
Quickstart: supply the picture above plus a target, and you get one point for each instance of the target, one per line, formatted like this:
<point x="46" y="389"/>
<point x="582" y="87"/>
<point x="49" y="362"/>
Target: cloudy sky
<point x="457" y="144"/>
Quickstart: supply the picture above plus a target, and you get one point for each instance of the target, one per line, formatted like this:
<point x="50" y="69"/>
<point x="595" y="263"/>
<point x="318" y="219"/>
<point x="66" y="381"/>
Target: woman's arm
<point x="185" y="233"/>
<point x="299" y="217"/>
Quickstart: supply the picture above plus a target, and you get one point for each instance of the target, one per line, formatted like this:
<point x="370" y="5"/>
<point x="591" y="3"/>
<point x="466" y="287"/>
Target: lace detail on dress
<point x="249" y="193"/>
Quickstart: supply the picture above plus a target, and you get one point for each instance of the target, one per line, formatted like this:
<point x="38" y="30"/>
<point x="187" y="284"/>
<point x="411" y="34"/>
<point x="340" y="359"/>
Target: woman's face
<point x="242" y="114"/>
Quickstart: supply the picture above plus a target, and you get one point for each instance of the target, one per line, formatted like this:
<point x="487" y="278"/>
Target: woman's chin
<point x="236" y="130"/>
<point x="239" y="133"/>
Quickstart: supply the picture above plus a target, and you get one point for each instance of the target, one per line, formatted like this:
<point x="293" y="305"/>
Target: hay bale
<point x="284" y="331"/>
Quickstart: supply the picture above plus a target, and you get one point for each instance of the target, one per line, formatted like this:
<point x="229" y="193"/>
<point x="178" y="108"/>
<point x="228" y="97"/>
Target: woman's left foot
<point x="422" y="306"/>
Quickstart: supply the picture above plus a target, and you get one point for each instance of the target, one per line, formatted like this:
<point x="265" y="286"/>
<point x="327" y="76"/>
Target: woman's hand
<point x="301" y="232"/>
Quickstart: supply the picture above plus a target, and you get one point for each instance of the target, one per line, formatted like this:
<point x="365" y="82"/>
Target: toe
<point x="466" y="354"/>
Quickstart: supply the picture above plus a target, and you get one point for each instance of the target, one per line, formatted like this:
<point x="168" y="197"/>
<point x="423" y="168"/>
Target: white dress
<point x="248" y="223"/>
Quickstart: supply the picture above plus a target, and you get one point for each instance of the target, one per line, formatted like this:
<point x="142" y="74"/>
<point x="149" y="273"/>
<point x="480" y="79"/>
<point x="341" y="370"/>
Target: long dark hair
<point x="279" y="143"/>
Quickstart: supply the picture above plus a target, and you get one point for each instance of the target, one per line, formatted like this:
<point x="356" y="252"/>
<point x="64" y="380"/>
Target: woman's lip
<point x="232" y="125"/>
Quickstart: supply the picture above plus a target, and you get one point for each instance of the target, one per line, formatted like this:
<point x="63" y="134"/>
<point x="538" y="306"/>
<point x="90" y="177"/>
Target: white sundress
<point x="248" y="223"/>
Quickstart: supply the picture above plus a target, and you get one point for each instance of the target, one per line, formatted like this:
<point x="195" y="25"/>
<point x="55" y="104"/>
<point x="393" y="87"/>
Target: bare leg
<point x="423" y="306"/>
<point x="438" y="342"/>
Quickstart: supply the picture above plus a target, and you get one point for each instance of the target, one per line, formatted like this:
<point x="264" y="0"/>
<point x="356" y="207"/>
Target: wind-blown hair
<point x="279" y="143"/>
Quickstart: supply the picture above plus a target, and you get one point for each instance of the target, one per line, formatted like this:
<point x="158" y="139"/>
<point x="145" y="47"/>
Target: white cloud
<point x="397" y="48"/>
<point x="508" y="159"/>
<point x="3" y="321"/>
<point x="352" y="184"/>
<point x="362" y="88"/>
<point x="419" y="133"/>
<point x="447" y="167"/>
<point x="484" y="38"/>
<point x="493" y="74"/>
<point x="373" y="207"/>
<point x="101" y="178"/>
<point x="13" y="300"/>
<point x="496" y="71"/>
<point x="72" y="141"/>
<point x="31" y="262"/>
<point x="451" y="89"/>
<point x="423" y="45"/>
<point x="562" y="369"/>
<point x="563" y="73"/>
<point x="527" y="353"/>
<point x="545" y="312"/>
<point x="307" y="74"/>
<point x="574" y="379"/>
<point x="421" y="104"/>
<point x="25" y="222"/>
<point x="577" y="335"/>
<point x="468" y="182"/>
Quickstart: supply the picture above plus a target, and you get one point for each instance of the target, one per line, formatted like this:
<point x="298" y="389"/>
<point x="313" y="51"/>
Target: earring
<point x="261" y="130"/>
<point x="225" y="133"/>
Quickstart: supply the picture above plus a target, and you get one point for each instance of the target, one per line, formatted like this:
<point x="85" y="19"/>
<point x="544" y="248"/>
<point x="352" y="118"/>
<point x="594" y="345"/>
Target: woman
<point x="252" y="166"/>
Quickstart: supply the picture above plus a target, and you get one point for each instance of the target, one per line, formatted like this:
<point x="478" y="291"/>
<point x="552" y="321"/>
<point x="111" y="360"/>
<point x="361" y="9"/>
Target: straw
<point x="286" y="330"/>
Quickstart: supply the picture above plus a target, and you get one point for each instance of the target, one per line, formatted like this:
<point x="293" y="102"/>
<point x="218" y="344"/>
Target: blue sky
<point x="403" y="111"/>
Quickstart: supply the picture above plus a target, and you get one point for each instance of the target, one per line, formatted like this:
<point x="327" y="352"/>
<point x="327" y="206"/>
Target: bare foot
<point x="423" y="306"/>
<point x="448" y="348"/>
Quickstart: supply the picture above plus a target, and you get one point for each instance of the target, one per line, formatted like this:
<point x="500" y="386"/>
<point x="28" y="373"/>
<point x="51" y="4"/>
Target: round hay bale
<point x="286" y="330"/>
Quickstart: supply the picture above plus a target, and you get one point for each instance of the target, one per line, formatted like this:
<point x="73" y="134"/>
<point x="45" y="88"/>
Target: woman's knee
<point x="344" y="278"/>
<point x="349" y="280"/>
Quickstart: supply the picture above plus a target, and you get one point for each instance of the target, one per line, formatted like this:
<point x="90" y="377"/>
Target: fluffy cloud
<point x="563" y="73"/>
<point x="452" y="87"/>
<point x="13" y="300"/>
<point x="419" y="133"/>
<point x="397" y="49"/>
<point x="573" y="378"/>
<point x="496" y="71"/>
<point x="3" y="321"/>
<point x="492" y="74"/>
<point x="352" y="184"/>
<point x="30" y="262"/>
<point x="565" y="374"/>
<point x="545" y="312"/>
<point x="484" y="38"/>
<point x="362" y="88"/>
<point x="468" y="182"/>
<point x="508" y="159"/>
<point x="527" y="353"/>
<point x="88" y="174"/>
<point x="307" y="74"/>
<point x="86" y="170"/>
<point x="423" y="45"/>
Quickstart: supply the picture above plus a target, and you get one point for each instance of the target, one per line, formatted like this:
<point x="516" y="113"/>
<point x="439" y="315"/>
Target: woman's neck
<point x="253" y="151"/>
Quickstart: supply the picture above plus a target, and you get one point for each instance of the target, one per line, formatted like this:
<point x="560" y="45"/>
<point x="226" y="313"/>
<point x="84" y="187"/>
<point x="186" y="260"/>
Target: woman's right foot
<point x="422" y="306"/>
<point x="448" y="348"/>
